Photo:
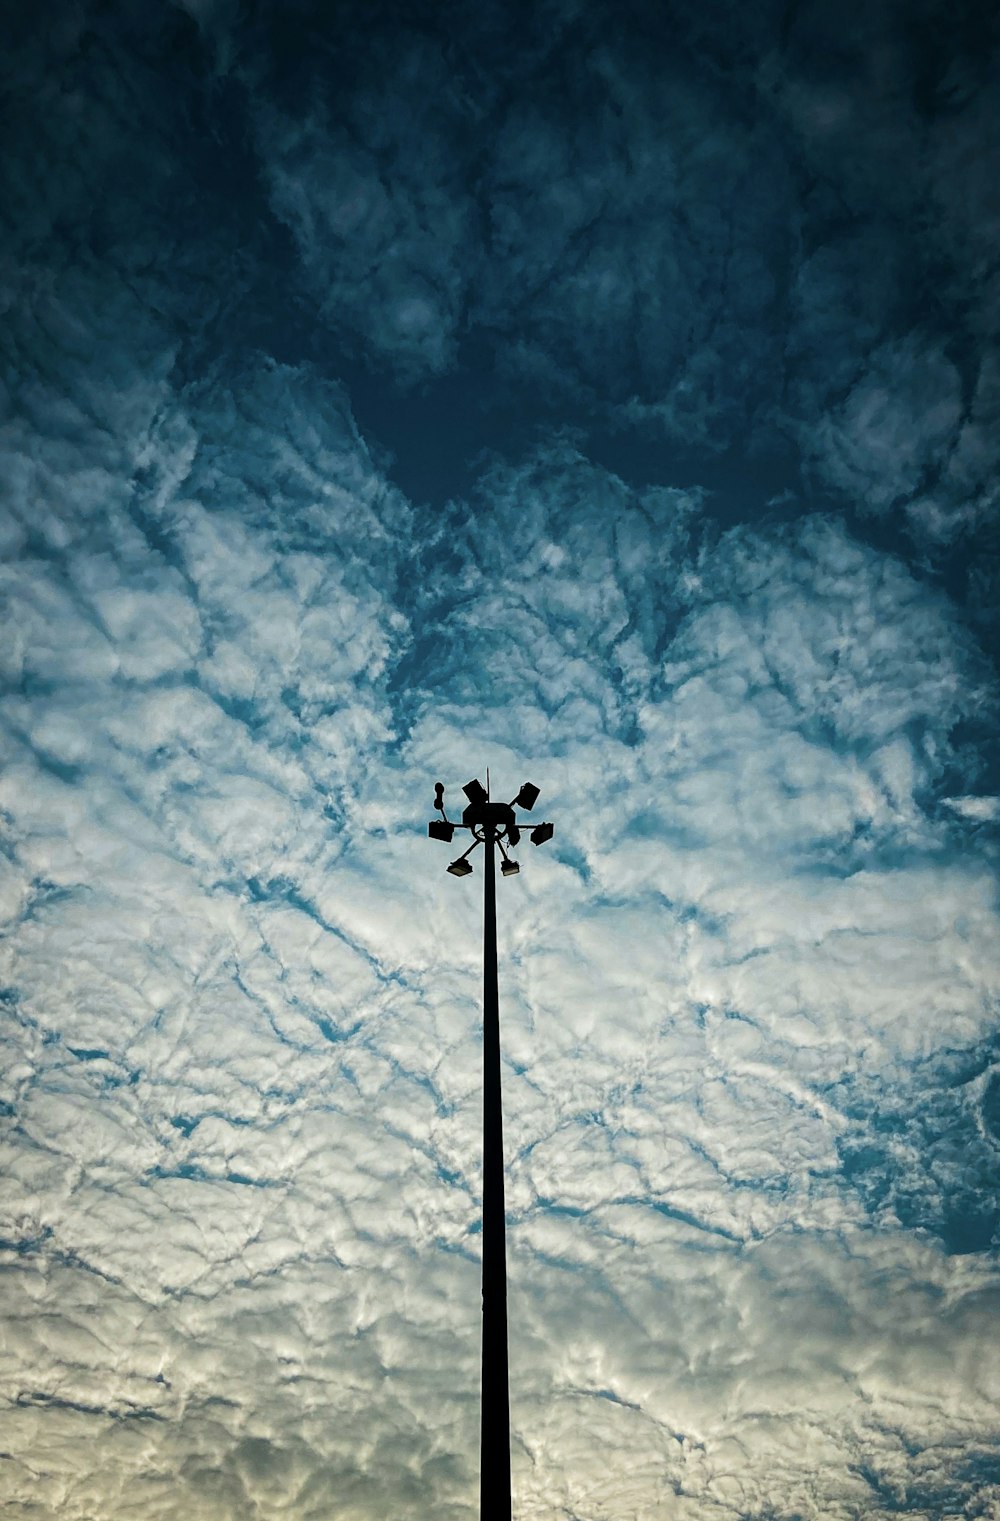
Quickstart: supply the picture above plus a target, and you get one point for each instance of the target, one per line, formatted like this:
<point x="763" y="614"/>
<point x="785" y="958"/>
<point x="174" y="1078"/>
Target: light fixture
<point x="527" y="797"/>
<point x="509" y="868"/>
<point x="476" y="792"/>
<point x="541" y="833"/>
<point x="440" y="829"/>
<point x="461" y="867"/>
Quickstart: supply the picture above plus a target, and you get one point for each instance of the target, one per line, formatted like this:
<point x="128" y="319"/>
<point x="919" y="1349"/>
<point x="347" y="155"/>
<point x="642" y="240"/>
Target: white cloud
<point x="246" y="1097"/>
<point x="749" y="991"/>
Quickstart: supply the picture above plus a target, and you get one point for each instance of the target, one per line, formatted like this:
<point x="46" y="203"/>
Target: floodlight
<point x="440" y="829"/>
<point x="541" y="833"/>
<point x="509" y="868"/>
<point x="476" y="792"/>
<point x="461" y="867"/>
<point x="527" y="797"/>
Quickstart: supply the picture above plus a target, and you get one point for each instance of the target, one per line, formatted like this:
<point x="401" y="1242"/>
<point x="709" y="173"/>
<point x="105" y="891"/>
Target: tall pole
<point x="495" y="826"/>
<point x="494" y="1452"/>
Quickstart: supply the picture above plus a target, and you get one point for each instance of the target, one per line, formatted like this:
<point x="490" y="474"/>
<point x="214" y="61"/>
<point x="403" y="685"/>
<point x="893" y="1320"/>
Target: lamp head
<point x="509" y="868"/>
<point x="541" y="833"/>
<point x="527" y="797"/>
<point x="476" y="792"/>
<point x="440" y="829"/>
<point x="461" y="867"/>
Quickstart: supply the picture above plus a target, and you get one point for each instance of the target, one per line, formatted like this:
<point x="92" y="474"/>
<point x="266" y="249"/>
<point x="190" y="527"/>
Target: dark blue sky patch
<point x="929" y="1151"/>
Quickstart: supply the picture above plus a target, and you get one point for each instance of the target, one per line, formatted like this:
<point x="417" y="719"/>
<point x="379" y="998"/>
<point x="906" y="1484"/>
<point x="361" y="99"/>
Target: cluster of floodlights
<point x="487" y="821"/>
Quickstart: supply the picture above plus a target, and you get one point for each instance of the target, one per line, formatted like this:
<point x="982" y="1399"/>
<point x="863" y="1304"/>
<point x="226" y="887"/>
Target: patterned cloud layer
<point x="608" y="398"/>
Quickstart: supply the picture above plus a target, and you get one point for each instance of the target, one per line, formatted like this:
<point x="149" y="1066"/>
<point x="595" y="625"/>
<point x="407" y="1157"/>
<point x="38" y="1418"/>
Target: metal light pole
<point x="495" y="826"/>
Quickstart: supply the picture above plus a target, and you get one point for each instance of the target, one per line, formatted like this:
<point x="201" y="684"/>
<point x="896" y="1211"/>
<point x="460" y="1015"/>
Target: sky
<point x="607" y="394"/>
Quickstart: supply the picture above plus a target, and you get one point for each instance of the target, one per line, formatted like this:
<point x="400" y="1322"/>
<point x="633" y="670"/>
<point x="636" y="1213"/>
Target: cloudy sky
<point x="607" y="393"/>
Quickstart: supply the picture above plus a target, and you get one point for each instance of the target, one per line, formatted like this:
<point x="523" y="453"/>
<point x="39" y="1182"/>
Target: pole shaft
<point x="494" y="1468"/>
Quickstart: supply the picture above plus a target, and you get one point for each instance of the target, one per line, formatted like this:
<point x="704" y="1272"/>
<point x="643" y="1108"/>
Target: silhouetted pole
<point x="494" y="1450"/>
<point x="495" y="826"/>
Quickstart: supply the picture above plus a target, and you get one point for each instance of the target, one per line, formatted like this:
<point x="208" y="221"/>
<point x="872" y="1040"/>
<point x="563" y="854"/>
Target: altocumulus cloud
<point x="611" y="399"/>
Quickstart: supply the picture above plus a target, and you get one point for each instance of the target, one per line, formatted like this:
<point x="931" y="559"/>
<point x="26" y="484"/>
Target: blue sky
<point x="608" y="395"/>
